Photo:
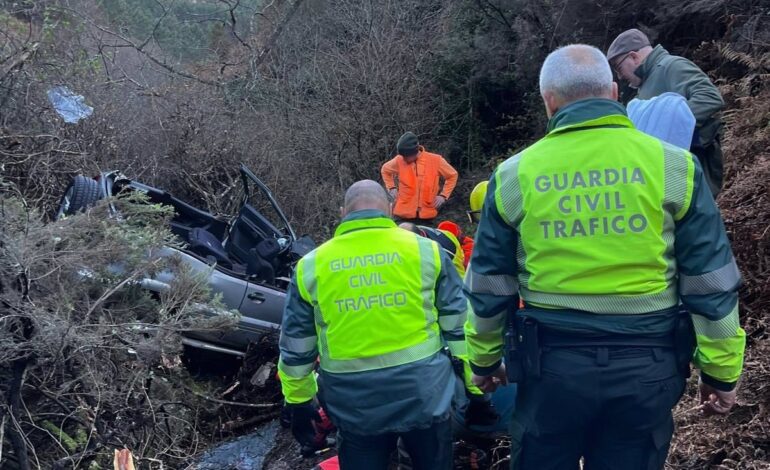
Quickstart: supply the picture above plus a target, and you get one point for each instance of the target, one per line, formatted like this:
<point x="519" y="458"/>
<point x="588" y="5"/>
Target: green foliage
<point x="68" y="442"/>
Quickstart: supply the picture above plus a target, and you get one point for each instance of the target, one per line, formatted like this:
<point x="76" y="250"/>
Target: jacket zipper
<point x="419" y="187"/>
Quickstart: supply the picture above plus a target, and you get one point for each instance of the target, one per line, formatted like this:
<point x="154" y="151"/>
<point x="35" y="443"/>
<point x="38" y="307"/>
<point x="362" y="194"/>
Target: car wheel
<point x="81" y="194"/>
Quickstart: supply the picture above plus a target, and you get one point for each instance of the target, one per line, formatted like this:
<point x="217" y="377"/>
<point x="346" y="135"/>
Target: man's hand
<point x="303" y="423"/>
<point x="438" y="202"/>
<point x="489" y="383"/>
<point x="716" y="402"/>
<point x="480" y="412"/>
<point x="393" y="192"/>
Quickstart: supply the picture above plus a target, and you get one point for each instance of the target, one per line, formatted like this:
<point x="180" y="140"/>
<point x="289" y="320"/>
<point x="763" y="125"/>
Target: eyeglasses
<point x="473" y="216"/>
<point x="616" y="68"/>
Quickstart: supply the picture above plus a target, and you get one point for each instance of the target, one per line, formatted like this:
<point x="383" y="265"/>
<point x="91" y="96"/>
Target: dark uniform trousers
<point x="610" y="405"/>
<point x="428" y="448"/>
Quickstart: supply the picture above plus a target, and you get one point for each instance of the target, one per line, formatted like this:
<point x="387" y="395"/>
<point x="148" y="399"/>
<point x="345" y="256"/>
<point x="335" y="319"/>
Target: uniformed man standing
<point x="603" y="231"/>
<point x="374" y="303"/>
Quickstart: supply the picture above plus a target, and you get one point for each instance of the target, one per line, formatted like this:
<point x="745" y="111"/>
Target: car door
<point x="261" y="309"/>
<point x="261" y="313"/>
<point x="259" y="218"/>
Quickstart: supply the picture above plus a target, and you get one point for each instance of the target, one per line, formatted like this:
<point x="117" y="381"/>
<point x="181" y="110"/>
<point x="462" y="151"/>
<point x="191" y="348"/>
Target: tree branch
<point x="274" y="37"/>
<point x="140" y="48"/>
<point x="18" y="61"/>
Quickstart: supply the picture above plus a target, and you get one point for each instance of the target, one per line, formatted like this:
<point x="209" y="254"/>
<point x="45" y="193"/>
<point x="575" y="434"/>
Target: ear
<point x="614" y="91"/>
<point x="636" y="57"/>
<point x="342" y="212"/>
<point x="551" y="103"/>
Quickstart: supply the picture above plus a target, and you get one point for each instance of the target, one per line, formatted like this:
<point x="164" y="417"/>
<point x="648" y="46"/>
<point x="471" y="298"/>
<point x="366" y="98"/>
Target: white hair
<point x="366" y="194"/>
<point x="576" y="72"/>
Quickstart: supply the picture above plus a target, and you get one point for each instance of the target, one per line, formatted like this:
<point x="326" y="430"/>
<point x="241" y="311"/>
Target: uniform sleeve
<point x="450" y="177"/>
<point x="708" y="286"/>
<point x="452" y="309"/>
<point x="389" y="171"/>
<point x="703" y="97"/>
<point x="452" y="305"/>
<point x="490" y="281"/>
<point x="298" y="346"/>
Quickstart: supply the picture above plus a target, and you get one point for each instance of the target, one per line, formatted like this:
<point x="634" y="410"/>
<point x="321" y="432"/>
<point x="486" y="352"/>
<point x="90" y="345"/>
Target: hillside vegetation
<point x="312" y="96"/>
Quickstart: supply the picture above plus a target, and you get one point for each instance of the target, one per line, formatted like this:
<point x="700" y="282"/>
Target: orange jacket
<point x="418" y="183"/>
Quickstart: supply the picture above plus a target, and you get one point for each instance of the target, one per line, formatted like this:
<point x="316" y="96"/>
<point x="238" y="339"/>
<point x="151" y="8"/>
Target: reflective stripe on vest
<point x="372" y="288"/>
<point x="597" y="233"/>
<point x="458" y="255"/>
<point x="448" y="242"/>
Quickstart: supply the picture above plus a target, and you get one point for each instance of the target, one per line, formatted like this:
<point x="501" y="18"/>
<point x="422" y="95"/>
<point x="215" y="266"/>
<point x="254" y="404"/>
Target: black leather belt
<point x="550" y="339"/>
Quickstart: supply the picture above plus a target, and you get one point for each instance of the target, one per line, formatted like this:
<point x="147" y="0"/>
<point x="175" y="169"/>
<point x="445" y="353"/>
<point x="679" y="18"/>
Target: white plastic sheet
<point x="68" y="105"/>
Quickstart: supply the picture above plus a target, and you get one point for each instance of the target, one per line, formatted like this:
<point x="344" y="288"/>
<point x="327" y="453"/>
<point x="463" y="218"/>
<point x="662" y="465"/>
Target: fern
<point x="727" y="52"/>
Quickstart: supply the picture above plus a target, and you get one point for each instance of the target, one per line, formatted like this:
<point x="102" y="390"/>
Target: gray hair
<point x="576" y="72"/>
<point x="366" y="194"/>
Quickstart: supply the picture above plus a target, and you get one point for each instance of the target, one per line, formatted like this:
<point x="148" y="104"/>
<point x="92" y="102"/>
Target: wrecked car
<point x="248" y="259"/>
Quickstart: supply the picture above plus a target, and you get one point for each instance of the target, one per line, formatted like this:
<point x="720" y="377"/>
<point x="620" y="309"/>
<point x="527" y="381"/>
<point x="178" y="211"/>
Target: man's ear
<point x="551" y="102"/>
<point x="614" y="91"/>
<point x="342" y="212"/>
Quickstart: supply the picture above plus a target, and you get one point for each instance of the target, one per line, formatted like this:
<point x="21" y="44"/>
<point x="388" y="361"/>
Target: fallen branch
<point x="62" y="463"/>
<point x="232" y="426"/>
<point x="2" y="434"/>
<point x="226" y="402"/>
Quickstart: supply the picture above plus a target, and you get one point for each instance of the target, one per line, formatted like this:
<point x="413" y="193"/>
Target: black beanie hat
<point x="407" y="144"/>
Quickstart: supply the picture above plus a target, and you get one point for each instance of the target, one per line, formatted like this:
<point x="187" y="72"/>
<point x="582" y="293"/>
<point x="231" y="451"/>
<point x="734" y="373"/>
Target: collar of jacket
<point x="645" y="68"/>
<point x="420" y="151"/>
<point x="363" y="219"/>
<point x="591" y="112"/>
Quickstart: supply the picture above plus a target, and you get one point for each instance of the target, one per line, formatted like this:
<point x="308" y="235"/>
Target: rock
<point x="262" y="374"/>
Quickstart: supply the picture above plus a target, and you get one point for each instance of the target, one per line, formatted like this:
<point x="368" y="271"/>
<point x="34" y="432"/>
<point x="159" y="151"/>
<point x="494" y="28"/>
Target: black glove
<point x="303" y="419"/>
<point x="480" y="412"/>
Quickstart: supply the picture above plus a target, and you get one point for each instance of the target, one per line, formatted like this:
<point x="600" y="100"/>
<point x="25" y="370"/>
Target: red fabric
<point x="465" y="242"/>
<point x="332" y="463"/>
<point x="467" y="245"/>
<point x="450" y="227"/>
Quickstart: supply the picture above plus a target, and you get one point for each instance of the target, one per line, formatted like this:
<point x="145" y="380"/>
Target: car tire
<point x="81" y="194"/>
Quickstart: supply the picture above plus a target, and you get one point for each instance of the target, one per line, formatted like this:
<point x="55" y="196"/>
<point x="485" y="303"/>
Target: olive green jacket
<point x="661" y="72"/>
